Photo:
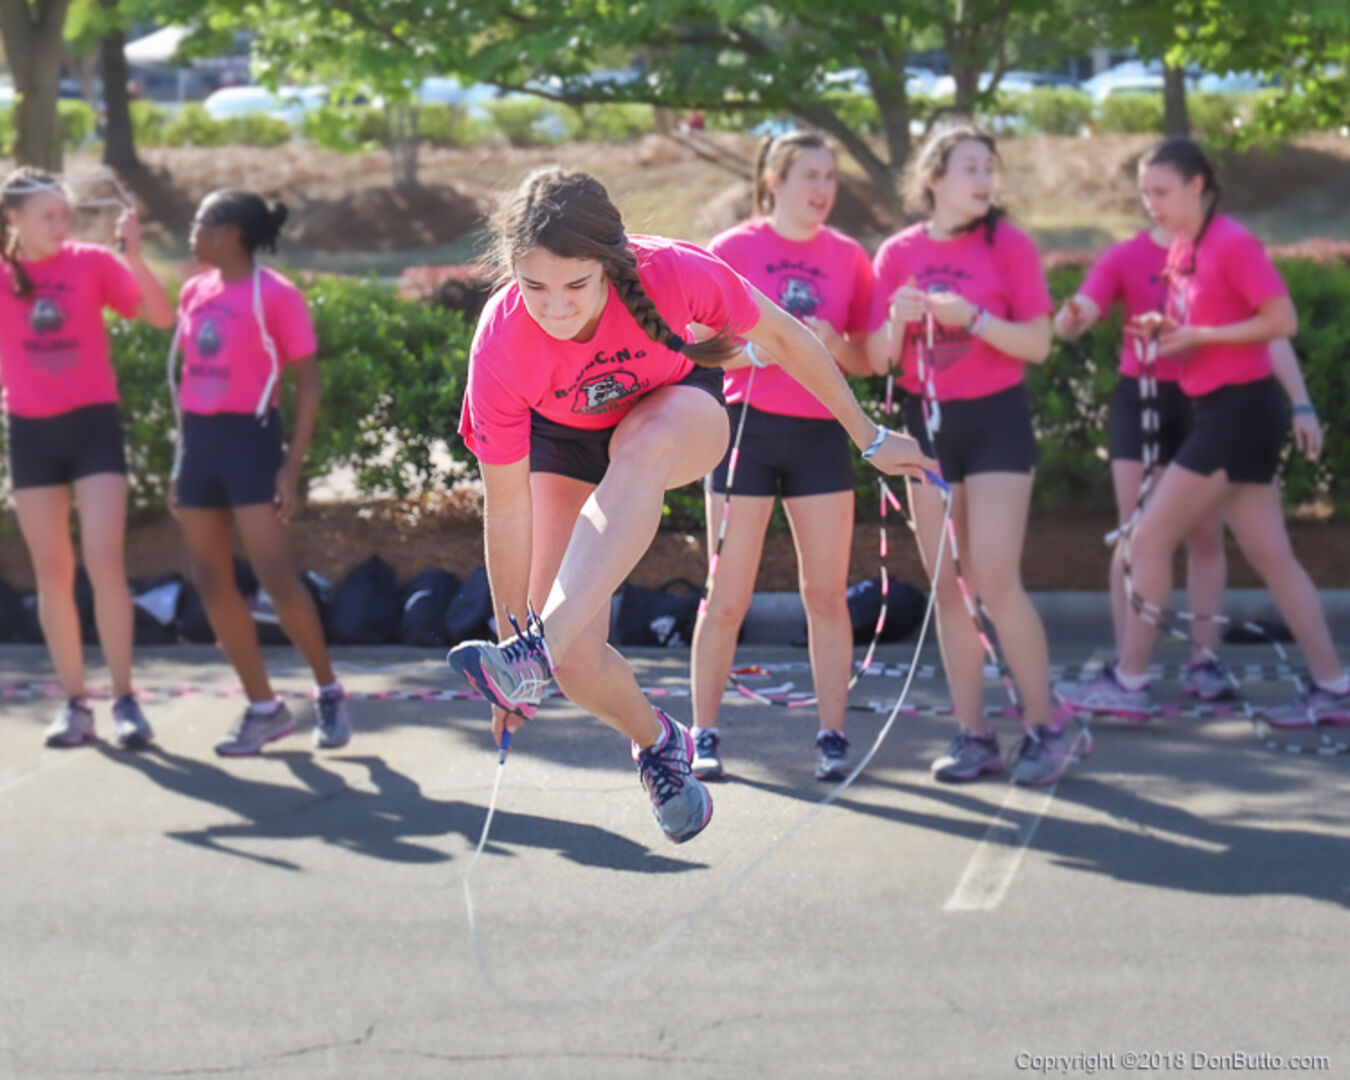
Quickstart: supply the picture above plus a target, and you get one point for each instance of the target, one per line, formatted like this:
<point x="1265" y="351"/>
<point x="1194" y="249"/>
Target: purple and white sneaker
<point x="1103" y="695"/>
<point x="514" y="675"/>
<point x="1316" y="706"/>
<point x="682" y="805"/>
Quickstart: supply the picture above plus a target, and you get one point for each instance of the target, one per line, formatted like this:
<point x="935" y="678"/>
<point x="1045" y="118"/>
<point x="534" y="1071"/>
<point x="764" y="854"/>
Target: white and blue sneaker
<point x="967" y="757"/>
<point x="73" y="726"/>
<point x="1104" y="695"/>
<point x="131" y="730"/>
<point x="832" y="761"/>
<point x="682" y="805"/>
<point x="1046" y="754"/>
<point x="707" y="763"/>
<point x="332" y="727"/>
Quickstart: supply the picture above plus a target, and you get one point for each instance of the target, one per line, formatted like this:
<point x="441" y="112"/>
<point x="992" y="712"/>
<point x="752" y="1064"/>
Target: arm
<point x="154" y="307"/>
<point x="507" y="518"/>
<point x="1276" y="318"/>
<point x="848" y="350"/>
<point x="1307" y="429"/>
<point x="307" y="393"/>
<point x="1076" y="317"/>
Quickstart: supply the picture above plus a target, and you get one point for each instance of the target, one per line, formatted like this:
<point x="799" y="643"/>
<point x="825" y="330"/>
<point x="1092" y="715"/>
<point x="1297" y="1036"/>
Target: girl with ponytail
<point x="791" y="445"/>
<point x="241" y="326"/>
<point x="65" y="430"/>
<point x="586" y="402"/>
<point x="961" y="306"/>
<point x="1228" y="314"/>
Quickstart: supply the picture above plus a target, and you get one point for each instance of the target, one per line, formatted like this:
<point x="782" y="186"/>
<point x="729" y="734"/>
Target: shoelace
<point x="529" y="643"/>
<point x="833" y="745"/>
<point x="706" y="744"/>
<point x="661" y="775"/>
<point x="328" y="714"/>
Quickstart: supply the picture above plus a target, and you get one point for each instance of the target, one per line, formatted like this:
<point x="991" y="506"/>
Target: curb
<point x="777" y="618"/>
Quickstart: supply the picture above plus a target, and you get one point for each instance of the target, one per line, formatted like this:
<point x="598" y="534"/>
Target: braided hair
<point x="259" y="225"/>
<point x="570" y="214"/>
<point x="18" y="187"/>
<point x="931" y="165"/>
<point x="1186" y="158"/>
<point x="776" y="155"/>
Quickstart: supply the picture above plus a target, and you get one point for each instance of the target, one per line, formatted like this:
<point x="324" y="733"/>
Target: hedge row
<point x="394" y="371"/>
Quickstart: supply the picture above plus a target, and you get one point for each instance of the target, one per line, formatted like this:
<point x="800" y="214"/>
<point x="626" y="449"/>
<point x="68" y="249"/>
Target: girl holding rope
<point x="585" y="403"/>
<point x="240" y="327"/>
<point x="791" y="445"/>
<point x="1228" y="311"/>
<point x="1132" y="272"/>
<point x="963" y="297"/>
<point x="65" y="430"/>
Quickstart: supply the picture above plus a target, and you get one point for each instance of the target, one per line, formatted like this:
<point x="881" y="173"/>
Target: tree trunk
<point x="119" y="142"/>
<point x="402" y="139"/>
<point x="33" y="43"/>
<point x="1176" y="116"/>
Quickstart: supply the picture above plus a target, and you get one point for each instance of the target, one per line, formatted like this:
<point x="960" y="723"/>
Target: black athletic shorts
<point x="1125" y="433"/>
<point x="229" y="459"/>
<point x="582" y="453"/>
<point x="787" y="456"/>
<point x="1240" y="429"/>
<point x="978" y="435"/>
<point x="53" y="451"/>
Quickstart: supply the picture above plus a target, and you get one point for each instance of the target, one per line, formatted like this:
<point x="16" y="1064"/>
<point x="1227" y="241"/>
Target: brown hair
<point x="1185" y="157"/>
<point x="19" y="186"/>
<point x="570" y="214"/>
<point x="776" y="155"/>
<point x="931" y="164"/>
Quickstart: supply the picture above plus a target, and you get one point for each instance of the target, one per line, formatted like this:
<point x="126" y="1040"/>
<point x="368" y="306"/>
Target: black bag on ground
<point x="905" y="606"/>
<point x="264" y="611"/>
<point x="367" y="605"/>
<point x="468" y="616"/>
<point x="425" y="602"/>
<point x="157" y="602"/>
<point x="11" y="612"/>
<point x="656" y="616"/>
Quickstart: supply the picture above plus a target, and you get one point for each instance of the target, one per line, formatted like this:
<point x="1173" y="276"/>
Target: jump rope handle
<point x="506" y="746"/>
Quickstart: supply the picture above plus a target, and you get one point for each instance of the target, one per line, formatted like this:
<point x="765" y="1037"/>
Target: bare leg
<point x="822" y="528"/>
<point x="997" y="507"/>
<point x="44" y="520"/>
<point x="719" y="624"/>
<point x="209" y="535"/>
<point x="102" y="500"/>
<point x="265" y="542"/>
<point x="1206" y="575"/>
<point x="1126" y="477"/>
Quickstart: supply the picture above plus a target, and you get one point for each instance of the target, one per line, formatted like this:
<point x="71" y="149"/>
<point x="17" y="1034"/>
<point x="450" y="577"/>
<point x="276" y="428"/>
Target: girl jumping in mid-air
<point x="586" y="402"/>
<point x="791" y="445"/>
<point x="65" y="430"/>
<point x="240" y="327"/>
<point x="1228" y="306"/>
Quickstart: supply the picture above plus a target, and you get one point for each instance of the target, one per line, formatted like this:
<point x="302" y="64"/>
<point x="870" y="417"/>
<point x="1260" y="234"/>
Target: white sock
<point x="827" y="731"/>
<point x="1132" y="683"/>
<point x="264" y="708"/>
<point x="1339" y="686"/>
<point x="332" y="689"/>
<point x="697" y="731"/>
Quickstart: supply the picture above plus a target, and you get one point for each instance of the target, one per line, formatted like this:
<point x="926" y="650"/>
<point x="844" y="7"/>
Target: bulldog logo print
<point x="798" y="296"/>
<point x="209" y="338"/>
<point x="47" y="316"/>
<point x="603" y="392"/>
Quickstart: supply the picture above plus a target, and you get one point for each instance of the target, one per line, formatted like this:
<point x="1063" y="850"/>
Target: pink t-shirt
<point x="1233" y="277"/>
<point x="828" y="277"/>
<point x="515" y="368"/>
<point x="53" y="346"/>
<point x="1005" y="278"/>
<point x="225" y="364"/>
<point x="1133" y="272"/>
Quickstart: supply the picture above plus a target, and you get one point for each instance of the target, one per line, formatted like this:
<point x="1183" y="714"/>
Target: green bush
<point x="348" y="128"/>
<point x="256" y="129"/>
<point x="77" y="120"/>
<point x="1054" y="110"/>
<point x="193" y="126"/>
<point x="610" y="122"/>
<point x="1131" y="114"/>
<point x="148" y="122"/>
<point x="449" y="125"/>
<point x="525" y="121"/>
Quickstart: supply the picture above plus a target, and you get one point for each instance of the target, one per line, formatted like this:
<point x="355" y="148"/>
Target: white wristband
<point x="876" y="443"/>
<point x="754" y="356"/>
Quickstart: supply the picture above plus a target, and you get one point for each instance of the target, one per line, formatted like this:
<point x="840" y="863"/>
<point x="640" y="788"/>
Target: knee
<point x="1001" y="594"/>
<point x="824" y="599"/>
<point x="214" y="582"/>
<point x="276" y="576"/>
<point x="643" y="442"/>
<point x="727" y="607"/>
<point x="1205" y="544"/>
<point x="106" y="567"/>
<point x="1150" y="547"/>
<point x="55" y="568"/>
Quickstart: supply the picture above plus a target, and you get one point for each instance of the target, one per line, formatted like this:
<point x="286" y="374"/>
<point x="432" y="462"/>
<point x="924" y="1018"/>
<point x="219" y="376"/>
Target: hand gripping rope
<point x="1179" y="623"/>
<point x="636" y="962"/>
<point x="932" y="420"/>
<point x="783" y="695"/>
